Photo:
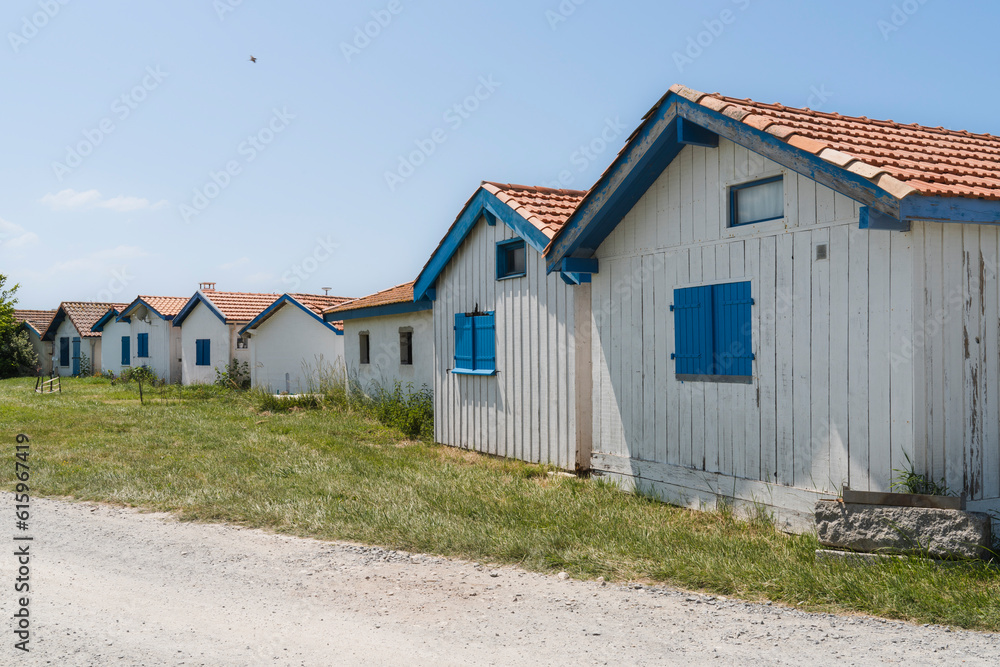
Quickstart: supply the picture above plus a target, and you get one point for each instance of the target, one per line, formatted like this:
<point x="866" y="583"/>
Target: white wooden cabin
<point x="71" y="335"/>
<point x="35" y="322"/>
<point x="506" y="354"/>
<point x="870" y="339"/>
<point x="388" y="338"/>
<point x="210" y="323"/>
<point x="292" y="348"/>
<point x="115" y="342"/>
<point x="153" y="341"/>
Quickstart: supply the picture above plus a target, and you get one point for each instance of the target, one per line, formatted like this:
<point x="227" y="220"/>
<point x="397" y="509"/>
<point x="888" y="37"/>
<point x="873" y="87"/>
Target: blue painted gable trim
<point x="50" y="333"/>
<point x="379" y="311"/>
<point x="656" y="144"/>
<point x="482" y="204"/>
<point x="281" y="301"/>
<point x="139" y="302"/>
<point x="194" y="301"/>
<point x="99" y="324"/>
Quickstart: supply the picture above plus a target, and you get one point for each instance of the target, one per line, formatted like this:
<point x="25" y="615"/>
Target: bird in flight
<point x="253" y="59"/>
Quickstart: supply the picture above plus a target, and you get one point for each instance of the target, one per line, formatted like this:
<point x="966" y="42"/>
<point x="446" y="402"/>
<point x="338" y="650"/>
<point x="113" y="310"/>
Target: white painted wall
<point x="203" y="323"/>
<point x="384" y="356"/>
<point x="291" y="351"/>
<point x="528" y="410"/>
<point x="111" y="346"/>
<point x="826" y="406"/>
<point x="164" y="344"/>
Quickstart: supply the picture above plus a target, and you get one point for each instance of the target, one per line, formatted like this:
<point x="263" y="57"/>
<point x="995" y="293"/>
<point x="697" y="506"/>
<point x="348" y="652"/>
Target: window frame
<point x="502" y="248"/>
<point x="364" y="348"/>
<point x="734" y="189"/>
<point x="406" y="334"/>
<point x="479" y="365"/>
<point x="714" y="341"/>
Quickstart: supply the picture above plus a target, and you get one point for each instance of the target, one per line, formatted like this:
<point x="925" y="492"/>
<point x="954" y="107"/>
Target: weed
<point x="910" y="481"/>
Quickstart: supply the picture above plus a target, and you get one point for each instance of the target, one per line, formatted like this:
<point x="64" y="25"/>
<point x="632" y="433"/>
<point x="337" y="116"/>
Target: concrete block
<point x="937" y="533"/>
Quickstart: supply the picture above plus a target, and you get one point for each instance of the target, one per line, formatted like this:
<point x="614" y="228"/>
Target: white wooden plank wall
<point x="527" y="411"/>
<point x="957" y="349"/>
<point x="826" y="406"/>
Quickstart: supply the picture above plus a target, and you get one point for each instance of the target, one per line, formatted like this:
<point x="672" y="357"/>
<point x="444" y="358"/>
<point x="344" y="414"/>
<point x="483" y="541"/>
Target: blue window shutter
<point x="126" y="351"/>
<point x="485" y="342"/>
<point x="733" y="353"/>
<point x="76" y="356"/>
<point x="144" y="345"/>
<point x="203" y="352"/>
<point x="463" y="342"/>
<point x="693" y="330"/>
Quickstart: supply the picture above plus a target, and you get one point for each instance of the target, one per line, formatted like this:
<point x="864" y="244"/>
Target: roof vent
<point x="206" y="286"/>
<point x="326" y="290"/>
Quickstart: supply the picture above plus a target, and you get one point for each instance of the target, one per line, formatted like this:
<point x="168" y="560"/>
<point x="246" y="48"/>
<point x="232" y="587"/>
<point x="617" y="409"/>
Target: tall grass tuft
<point x="393" y="404"/>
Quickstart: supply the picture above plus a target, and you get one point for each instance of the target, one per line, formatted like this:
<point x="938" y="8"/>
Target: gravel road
<point x="113" y="586"/>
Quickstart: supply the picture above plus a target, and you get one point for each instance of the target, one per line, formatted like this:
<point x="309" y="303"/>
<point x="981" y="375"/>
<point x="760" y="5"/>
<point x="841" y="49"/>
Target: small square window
<point x="242" y="342"/>
<point x="510" y="259"/>
<point x="363" y="347"/>
<point x="406" y="348"/>
<point x="758" y="201"/>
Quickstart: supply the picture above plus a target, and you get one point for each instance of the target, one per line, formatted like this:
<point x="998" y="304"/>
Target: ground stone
<point x="931" y="532"/>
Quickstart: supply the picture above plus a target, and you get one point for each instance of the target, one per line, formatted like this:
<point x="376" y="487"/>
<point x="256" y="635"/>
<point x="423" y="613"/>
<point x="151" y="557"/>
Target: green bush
<point x="235" y="375"/>
<point x="17" y="356"/>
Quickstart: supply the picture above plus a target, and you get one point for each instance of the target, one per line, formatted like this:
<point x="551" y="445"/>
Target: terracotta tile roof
<point x="84" y="314"/>
<point x="548" y="209"/>
<point x="901" y="159"/>
<point x="398" y="294"/>
<point x="239" y="306"/>
<point x="319" y="303"/>
<point x="168" y="306"/>
<point x="38" y="319"/>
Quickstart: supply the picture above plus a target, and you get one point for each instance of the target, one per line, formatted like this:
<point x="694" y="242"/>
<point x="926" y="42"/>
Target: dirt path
<point x="112" y="586"/>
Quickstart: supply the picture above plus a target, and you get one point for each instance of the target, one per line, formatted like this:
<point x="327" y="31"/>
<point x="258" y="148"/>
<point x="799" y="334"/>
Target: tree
<point x="17" y="356"/>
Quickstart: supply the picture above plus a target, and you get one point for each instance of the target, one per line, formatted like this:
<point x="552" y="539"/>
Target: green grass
<point x="212" y="455"/>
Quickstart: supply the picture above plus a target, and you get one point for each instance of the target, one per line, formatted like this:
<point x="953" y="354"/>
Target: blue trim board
<point x="281" y="301"/>
<point x="950" y="209"/>
<point x="870" y="219"/>
<point x="690" y="134"/>
<point x="461" y="371"/>
<point x="99" y="324"/>
<point x="194" y="301"/>
<point x="29" y="325"/>
<point x="482" y="204"/>
<point x="379" y="311"/>
<point x="57" y="320"/>
<point x="656" y="143"/>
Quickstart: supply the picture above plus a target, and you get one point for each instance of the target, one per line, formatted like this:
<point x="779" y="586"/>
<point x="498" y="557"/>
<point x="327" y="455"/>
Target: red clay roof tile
<point x="39" y="319"/>
<point x="398" y="294"/>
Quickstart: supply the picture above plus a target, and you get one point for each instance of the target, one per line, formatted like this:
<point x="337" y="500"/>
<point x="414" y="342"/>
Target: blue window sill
<point x="512" y="275"/>
<point x="463" y="371"/>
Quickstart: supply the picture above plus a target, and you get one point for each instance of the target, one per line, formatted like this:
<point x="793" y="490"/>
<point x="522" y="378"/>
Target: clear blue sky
<point x="329" y="122"/>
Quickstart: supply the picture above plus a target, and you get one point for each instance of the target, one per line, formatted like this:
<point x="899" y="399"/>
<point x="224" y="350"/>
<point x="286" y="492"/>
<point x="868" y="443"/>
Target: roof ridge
<point x="536" y="188"/>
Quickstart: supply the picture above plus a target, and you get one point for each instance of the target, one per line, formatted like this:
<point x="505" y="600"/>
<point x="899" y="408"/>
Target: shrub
<point x="17" y="356"/>
<point x="86" y="370"/>
<point x="235" y="375"/>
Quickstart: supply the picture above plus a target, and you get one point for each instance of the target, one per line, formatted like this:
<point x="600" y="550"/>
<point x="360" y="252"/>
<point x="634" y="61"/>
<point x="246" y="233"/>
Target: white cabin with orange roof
<point x="507" y="356"/>
<point x="293" y="350"/>
<point x="786" y="302"/>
